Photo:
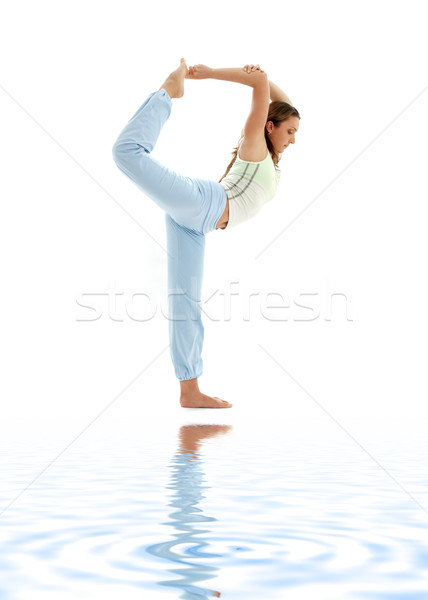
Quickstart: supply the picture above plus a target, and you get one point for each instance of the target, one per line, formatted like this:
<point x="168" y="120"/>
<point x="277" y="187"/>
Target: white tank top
<point x="249" y="186"/>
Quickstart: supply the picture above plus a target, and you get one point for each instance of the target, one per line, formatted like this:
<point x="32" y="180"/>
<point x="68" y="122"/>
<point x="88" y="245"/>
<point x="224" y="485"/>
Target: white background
<point x="349" y="216"/>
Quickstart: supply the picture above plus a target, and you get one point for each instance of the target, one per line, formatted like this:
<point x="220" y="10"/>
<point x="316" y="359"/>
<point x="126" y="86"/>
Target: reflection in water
<point x="186" y="548"/>
<point x="293" y="518"/>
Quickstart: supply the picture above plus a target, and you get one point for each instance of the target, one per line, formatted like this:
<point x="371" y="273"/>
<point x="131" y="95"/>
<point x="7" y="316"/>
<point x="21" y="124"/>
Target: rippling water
<point x="213" y="513"/>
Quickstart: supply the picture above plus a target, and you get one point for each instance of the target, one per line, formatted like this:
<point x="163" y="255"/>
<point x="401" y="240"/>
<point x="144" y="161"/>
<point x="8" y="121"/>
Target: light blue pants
<point x="192" y="208"/>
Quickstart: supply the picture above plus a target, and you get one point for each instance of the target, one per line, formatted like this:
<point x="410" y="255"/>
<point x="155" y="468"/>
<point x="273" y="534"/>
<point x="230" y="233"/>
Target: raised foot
<point x="203" y="401"/>
<point x="174" y="83"/>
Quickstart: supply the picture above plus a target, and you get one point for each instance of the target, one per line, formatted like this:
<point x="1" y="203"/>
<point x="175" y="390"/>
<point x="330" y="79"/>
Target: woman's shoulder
<point x="253" y="151"/>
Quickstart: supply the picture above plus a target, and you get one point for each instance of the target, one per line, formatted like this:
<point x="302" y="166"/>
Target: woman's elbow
<point x="259" y="77"/>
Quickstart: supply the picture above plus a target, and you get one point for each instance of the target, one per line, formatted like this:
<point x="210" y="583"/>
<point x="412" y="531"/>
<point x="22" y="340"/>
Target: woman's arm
<point x="277" y="94"/>
<point x="236" y="75"/>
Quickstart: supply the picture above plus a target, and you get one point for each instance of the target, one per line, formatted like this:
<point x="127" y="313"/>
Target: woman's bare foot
<point x="192" y="397"/>
<point x="174" y="83"/>
<point x="199" y="400"/>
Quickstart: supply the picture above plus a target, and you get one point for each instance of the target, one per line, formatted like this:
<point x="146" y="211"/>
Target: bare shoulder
<point x="254" y="149"/>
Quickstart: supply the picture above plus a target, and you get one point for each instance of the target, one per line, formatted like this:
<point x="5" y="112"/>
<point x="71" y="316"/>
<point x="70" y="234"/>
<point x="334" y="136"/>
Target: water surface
<point x="214" y="513"/>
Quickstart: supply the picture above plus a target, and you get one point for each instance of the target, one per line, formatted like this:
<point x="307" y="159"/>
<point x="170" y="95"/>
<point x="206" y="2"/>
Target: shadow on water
<point x="187" y="482"/>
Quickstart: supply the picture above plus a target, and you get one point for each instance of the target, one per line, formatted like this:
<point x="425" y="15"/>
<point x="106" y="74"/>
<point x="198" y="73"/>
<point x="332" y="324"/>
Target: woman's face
<point x="284" y="134"/>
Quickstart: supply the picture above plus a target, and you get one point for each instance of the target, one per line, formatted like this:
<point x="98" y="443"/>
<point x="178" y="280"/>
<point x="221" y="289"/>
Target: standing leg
<point x="186" y="250"/>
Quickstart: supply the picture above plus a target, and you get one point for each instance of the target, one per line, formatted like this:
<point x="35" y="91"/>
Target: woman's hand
<point x="250" y="68"/>
<point x="198" y="72"/>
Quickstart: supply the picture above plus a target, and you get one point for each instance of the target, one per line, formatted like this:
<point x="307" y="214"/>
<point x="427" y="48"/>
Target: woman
<point x="193" y="207"/>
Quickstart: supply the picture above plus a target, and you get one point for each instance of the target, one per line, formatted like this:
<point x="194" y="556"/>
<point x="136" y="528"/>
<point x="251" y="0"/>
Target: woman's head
<point x="281" y="126"/>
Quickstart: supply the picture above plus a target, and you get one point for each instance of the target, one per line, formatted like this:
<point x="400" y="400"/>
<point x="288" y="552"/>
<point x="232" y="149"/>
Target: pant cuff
<point x="163" y="92"/>
<point x="186" y="378"/>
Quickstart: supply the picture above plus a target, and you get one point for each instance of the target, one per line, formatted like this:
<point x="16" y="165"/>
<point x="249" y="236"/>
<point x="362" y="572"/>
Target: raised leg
<point x="194" y="203"/>
<point x="182" y="197"/>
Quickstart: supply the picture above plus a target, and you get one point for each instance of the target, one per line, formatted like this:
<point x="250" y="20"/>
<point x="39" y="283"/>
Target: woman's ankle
<point x="170" y="88"/>
<point x="189" y="386"/>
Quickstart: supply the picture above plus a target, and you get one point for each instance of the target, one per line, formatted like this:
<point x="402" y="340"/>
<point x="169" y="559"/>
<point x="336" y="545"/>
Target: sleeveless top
<point x="249" y="186"/>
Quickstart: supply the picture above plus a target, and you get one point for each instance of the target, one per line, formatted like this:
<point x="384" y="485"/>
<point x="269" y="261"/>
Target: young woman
<point x="193" y="207"/>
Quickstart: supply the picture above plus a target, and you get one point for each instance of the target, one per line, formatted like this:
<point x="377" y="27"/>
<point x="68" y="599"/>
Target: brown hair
<point x="278" y="112"/>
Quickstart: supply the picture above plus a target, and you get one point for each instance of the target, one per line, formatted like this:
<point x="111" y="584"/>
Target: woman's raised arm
<point x="277" y="94"/>
<point x="237" y="75"/>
